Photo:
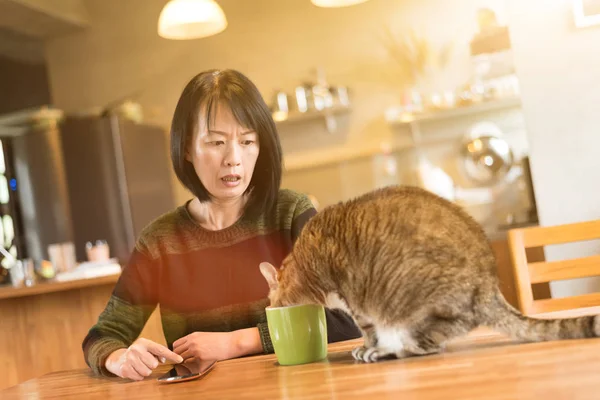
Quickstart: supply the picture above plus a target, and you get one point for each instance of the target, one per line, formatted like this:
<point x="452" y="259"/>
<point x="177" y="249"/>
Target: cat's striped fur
<point x="413" y="270"/>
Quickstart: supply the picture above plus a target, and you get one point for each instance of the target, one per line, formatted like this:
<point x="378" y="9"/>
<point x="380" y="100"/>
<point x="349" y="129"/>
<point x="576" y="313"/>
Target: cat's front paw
<point x="358" y="352"/>
<point x="370" y="354"/>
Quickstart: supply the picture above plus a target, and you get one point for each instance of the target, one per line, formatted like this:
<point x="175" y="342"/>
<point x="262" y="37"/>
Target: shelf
<point x="324" y="157"/>
<point x="329" y="156"/>
<point x="395" y="116"/>
<point x="30" y="116"/>
<point x="21" y="122"/>
<point x="328" y="115"/>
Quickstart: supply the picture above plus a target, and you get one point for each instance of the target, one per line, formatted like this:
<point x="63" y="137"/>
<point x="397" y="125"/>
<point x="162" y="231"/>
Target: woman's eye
<point x="218" y="143"/>
<point x="247" y="142"/>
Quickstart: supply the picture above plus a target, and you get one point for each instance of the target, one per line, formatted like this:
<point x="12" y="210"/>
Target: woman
<point x="200" y="261"/>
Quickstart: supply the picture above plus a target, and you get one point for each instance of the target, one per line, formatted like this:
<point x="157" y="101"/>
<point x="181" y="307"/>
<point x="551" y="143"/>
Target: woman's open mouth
<point x="231" y="180"/>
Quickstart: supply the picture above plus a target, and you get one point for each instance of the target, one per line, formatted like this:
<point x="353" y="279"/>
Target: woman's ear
<point x="270" y="274"/>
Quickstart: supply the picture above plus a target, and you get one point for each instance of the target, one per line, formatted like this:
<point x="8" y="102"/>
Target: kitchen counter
<point x="9" y="292"/>
<point x="42" y="326"/>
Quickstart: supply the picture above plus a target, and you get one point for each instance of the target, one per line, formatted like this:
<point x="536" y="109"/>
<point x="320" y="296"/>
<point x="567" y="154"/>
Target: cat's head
<point x="287" y="286"/>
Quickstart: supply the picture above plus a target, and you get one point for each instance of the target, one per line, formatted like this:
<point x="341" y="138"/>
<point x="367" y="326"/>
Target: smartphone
<point x="187" y="371"/>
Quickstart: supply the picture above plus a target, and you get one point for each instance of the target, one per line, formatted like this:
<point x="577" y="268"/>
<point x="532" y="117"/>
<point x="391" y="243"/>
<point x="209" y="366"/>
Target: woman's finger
<point x="181" y="348"/>
<point x="179" y="341"/>
<point x="161" y="351"/>
<point x="148" y="359"/>
<point x="128" y="372"/>
<point x="141" y="368"/>
<point x="133" y="358"/>
<point x="187" y="354"/>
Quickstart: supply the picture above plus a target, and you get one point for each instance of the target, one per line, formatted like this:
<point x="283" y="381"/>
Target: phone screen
<point x="188" y="370"/>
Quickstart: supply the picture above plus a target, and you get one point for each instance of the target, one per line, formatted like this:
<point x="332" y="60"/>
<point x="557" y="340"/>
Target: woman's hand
<point x="138" y="361"/>
<point x="218" y="345"/>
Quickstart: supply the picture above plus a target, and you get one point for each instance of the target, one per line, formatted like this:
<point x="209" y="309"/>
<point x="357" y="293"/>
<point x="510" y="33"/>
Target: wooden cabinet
<point x="42" y="327"/>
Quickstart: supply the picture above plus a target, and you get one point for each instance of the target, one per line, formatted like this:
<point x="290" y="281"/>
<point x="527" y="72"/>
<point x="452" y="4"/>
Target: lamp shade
<point x="336" y="3"/>
<point x="191" y="19"/>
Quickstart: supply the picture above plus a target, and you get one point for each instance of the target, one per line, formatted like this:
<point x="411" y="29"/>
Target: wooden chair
<point x="528" y="273"/>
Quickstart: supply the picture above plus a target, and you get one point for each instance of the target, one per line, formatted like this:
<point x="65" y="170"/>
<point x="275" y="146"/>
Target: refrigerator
<point x="86" y="179"/>
<point x="119" y="180"/>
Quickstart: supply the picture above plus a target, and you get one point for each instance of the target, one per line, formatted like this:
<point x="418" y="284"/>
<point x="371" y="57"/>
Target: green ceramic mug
<point x="298" y="333"/>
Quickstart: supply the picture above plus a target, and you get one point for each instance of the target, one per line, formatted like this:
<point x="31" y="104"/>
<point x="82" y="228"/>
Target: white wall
<point x="275" y="42"/>
<point x="559" y="71"/>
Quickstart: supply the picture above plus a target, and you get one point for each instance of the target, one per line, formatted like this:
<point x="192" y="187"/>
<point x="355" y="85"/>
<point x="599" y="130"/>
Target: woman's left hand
<point x="206" y="346"/>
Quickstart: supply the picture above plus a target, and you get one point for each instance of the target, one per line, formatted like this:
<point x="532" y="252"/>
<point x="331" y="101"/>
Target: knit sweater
<point x="203" y="280"/>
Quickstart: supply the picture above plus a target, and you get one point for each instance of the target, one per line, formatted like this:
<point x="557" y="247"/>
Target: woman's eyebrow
<point x="226" y="134"/>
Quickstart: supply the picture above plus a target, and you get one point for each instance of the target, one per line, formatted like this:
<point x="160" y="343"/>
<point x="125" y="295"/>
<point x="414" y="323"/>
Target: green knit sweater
<point x="203" y="280"/>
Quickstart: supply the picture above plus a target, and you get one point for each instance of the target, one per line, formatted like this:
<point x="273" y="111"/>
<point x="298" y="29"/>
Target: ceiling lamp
<point x="191" y="19"/>
<point x="336" y="3"/>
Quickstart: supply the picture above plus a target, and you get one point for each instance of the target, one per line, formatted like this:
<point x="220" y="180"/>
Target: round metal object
<point x="486" y="159"/>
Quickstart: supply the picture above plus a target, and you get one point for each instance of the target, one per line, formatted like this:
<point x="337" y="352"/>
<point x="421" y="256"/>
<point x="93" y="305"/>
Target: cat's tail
<point x="497" y="313"/>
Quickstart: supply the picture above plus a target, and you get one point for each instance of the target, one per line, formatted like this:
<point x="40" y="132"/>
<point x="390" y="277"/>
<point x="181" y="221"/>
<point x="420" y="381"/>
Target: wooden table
<point x="483" y="366"/>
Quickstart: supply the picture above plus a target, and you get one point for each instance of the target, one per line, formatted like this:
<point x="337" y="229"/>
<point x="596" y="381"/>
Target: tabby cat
<point x="413" y="270"/>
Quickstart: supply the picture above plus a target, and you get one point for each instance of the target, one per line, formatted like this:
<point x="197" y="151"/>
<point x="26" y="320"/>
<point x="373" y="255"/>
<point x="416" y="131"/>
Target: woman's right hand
<point x="138" y="361"/>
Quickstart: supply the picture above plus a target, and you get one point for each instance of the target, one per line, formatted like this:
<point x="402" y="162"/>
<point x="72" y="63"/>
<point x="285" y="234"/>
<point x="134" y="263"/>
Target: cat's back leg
<point x="431" y="334"/>
<point x="403" y="340"/>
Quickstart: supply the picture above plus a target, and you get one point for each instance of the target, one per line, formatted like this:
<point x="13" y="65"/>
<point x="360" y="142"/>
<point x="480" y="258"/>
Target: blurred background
<point x="492" y="104"/>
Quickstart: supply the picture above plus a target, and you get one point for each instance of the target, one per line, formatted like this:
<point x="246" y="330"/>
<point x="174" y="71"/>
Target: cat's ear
<point x="270" y="274"/>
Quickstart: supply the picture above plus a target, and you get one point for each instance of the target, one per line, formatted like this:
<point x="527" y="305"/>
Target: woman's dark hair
<point x="208" y="89"/>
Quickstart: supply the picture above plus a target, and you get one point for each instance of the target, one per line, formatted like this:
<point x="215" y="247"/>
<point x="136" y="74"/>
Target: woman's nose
<point x="232" y="158"/>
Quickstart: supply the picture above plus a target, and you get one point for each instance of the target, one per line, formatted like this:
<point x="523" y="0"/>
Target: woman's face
<point x="224" y="155"/>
